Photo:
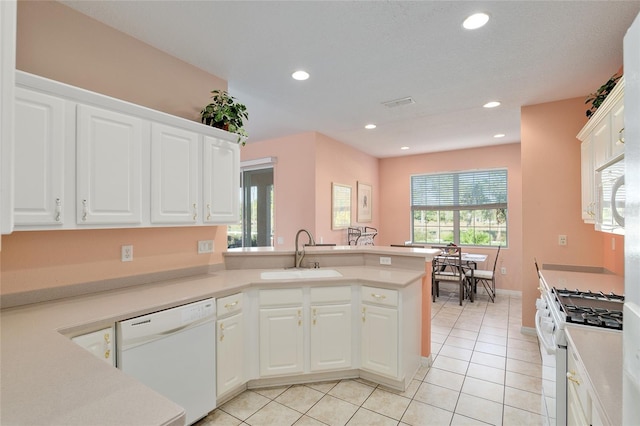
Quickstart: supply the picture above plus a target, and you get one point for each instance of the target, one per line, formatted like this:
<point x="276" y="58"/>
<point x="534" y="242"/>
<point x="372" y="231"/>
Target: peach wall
<point x="395" y="212"/>
<point x="306" y="166"/>
<point x="56" y="42"/>
<point x="293" y="181"/>
<point x="339" y="163"/>
<point x="551" y="202"/>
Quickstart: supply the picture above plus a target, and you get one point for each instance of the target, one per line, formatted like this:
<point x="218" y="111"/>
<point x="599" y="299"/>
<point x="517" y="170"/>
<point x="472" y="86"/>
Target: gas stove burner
<point x="589" y="295"/>
<point x="589" y="308"/>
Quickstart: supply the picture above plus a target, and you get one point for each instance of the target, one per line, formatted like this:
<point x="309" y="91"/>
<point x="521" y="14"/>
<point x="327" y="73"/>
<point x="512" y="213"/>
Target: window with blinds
<point x="465" y="208"/>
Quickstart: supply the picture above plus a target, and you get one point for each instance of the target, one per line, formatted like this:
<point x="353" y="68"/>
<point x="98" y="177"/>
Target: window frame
<point x="448" y="199"/>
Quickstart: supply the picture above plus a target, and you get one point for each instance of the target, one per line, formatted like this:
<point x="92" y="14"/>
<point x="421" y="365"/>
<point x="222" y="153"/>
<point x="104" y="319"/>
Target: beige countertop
<point x="46" y="379"/>
<point x="600" y="351"/>
<point x="584" y="281"/>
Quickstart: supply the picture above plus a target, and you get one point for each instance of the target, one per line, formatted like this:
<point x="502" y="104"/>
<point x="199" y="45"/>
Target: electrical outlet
<point x="562" y="240"/>
<point x="205" y="246"/>
<point x="503" y="270"/>
<point x="127" y="253"/>
<point x="385" y="260"/>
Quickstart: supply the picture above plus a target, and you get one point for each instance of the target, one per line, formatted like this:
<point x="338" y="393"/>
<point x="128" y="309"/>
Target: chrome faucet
<point x="300" y="253"/>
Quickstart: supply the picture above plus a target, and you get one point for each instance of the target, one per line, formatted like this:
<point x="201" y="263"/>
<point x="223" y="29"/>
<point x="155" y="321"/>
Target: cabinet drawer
<point x="330" y="294"/>
<point x="380" y="296"/>
<point x="280" y="297"/>
<point x="229" y="304"/>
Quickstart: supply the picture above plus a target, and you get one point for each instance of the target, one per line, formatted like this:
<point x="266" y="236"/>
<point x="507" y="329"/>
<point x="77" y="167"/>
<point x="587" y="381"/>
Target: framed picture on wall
<point x="364" y="202"/>
<point x="340" y="206"/>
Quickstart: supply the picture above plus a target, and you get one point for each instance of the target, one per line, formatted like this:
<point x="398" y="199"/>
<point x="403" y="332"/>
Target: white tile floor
<point x="485" y="371"/>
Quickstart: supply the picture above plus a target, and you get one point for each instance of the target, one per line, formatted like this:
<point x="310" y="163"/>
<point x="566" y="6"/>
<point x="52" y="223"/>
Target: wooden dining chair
<point x="485" y="277"/>
<point x="448" y="267"/>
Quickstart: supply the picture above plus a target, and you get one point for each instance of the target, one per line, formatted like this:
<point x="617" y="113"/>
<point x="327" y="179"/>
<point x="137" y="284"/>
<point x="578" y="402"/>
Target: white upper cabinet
<point x="8" y="13"/>
<point x="601" y="142"/>
<point x="86" y="160"/>
<point x="221" y="176"/>
<point x="39" y="174"/>
<point x="617" y="128"/>
<point x="109" y="166"/>
<point x="174" y="175"/>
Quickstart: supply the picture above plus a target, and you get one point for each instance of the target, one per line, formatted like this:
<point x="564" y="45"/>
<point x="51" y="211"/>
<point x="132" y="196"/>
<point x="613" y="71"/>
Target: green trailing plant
<point x="226" y="113"/>
<point x="601" y="94"/>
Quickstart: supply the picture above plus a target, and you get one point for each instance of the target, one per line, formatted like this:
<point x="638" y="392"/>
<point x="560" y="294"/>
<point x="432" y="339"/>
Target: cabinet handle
<point x="58" y="209"/>
<point x="570" y="375"/>
<point x="315" y="316"/>
<point x="621" y="136"/>
<point x="107" y="353"/>
<point x="195" y="211"/>
<point x="378" y="296"/>
<point x="221" y="331"/>
<point x="364" y="314"/>
<point x="107" y="338"/>
<point x="230" y="305"/>
<point x="299" y="317"/>
<point x="208" y="211"/>
<point x="84" y="210"/>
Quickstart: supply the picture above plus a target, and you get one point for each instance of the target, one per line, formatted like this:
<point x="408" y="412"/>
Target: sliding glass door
<point x="256" y="210"/>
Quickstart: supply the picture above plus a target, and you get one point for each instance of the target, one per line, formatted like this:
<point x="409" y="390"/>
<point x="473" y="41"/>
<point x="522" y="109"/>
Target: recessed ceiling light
<point x="300" y="75"/>
<point x="404" y="148"/>
<point x="370" y="126"/>
<point x="499" y="135"/>
<point x="491" y="104"/>
<point x="475" y="21"/>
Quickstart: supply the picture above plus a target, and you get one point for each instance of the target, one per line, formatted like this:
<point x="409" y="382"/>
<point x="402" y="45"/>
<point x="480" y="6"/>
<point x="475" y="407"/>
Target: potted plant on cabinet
<point x="601" y="94"/>
<point x="224" y="112"/>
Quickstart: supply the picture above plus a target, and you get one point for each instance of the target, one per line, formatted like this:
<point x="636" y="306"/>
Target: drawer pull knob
<point x="570" y="375"/>
<point x="221" y="331"/>
<point x="230" y="305"/>
<point x="364" y="314"/>
<point x="299" y="317"/>
<point x="378" y="296"/>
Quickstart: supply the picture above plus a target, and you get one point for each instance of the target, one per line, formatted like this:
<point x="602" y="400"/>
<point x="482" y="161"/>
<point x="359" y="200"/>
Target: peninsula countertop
<point x="48" y="379"/>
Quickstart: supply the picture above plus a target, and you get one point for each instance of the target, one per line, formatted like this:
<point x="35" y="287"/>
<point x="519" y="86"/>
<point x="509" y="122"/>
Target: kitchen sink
<point x="288" y="274"/>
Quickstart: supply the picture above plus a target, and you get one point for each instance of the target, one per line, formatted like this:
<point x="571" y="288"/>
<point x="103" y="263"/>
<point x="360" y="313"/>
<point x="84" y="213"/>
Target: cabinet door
<point x="174" y="175"/>
<point x="330" y="337"/>
<point x="221" y="175"/>
<point x="39" y="159"/>
<point x="602" y="142"/>
<point x="588" y="181"/>
<point x="109" y="164"/>
<point x="281" y="341"/>
<point x="230" y="353"/>
<point x="380" y="340"/>
<point x="617" y="128"/>
<point x="99" y="343"/>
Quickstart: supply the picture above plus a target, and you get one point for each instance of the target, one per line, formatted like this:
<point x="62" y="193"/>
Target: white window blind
<point x="478" y="189"/>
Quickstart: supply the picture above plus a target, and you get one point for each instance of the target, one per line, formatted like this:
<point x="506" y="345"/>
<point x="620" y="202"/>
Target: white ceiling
<point x="363" y="53"/>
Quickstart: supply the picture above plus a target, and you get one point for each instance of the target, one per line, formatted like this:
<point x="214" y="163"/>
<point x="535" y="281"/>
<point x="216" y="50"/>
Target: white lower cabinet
<point x="230" y="346"/>
<point x="99" y="343"/>
<point x="380" y="343"/>
<point x="581" y="401"/>
<point x="281" y="332"/>
<point x="330" y="334"/>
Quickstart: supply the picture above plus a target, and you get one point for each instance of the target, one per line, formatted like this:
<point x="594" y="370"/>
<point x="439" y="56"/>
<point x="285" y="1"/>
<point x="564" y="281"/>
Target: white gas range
<point x="584" y="299"/>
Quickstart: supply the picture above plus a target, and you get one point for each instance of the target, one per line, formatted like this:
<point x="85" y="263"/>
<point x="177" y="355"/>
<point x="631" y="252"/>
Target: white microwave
<point x="611" y="196"/>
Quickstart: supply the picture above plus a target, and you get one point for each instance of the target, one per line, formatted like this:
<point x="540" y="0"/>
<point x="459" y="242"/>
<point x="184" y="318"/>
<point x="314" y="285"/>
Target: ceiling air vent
<point x="399" y="102"/>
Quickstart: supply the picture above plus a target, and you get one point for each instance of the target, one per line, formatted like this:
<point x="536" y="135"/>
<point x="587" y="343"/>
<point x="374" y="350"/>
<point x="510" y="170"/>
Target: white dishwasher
<point x="173" y="352"/>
